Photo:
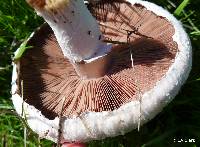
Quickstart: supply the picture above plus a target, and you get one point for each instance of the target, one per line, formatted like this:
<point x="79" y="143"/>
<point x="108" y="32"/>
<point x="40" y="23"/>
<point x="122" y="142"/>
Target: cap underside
<point x="49" y="78"/>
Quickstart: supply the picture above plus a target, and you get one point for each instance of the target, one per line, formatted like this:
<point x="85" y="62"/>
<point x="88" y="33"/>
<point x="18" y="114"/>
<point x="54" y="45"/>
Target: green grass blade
<point x="197" y="33"/>
<point x="180" y="8"/>
<point x="197" y="79"/>
<point x="21" y="50"/>
<point x="1" y="78"/>
<point x="192" y="81"/>
<point x="5" y="107"/>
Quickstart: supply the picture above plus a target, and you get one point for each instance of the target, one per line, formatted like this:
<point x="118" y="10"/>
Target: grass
<point x="180" y="8"/>
<point x="179" y="120"/>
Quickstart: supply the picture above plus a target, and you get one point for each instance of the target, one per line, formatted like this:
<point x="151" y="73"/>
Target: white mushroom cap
<point x="98" y="125"/>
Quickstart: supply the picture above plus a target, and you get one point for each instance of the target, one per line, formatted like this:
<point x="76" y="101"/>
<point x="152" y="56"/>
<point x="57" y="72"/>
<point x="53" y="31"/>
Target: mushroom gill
<point x="142" y="53"/>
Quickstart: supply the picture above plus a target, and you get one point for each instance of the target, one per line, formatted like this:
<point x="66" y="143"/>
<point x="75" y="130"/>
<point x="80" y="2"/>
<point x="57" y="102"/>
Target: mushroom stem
<point x="95" y="69"/>
<point x="76" y="30"/>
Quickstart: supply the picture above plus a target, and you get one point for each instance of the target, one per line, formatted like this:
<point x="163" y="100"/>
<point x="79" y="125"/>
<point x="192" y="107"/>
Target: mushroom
<point x="99" y="70"/>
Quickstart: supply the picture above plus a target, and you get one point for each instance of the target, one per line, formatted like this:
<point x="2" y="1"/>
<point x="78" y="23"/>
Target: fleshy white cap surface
<point x="162" y="79"/>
